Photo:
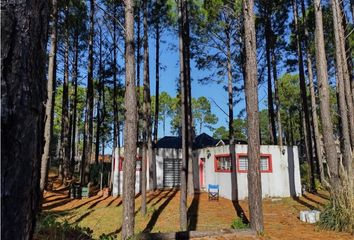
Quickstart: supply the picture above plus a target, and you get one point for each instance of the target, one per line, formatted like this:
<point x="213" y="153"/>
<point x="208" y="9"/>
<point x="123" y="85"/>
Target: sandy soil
<point x="103" y="214"/>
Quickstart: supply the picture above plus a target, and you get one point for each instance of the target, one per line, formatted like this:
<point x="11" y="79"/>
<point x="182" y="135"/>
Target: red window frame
<point x="270" y="162"/>
<point x="121" y="159"/>
<point x="216" y="162"/>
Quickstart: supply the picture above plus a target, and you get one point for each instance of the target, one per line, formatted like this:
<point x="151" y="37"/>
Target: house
<point x="279" y="166"/>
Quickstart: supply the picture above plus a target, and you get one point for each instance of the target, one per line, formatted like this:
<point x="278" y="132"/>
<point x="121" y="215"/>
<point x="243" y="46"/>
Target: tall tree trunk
<point x="88" y="133"/>
<point x="184" y="119"/>
<point x="65" y="144"/>
<point x="307" y="126"/>
<point x="157" y="68"/>
<point x="74" y="110"/>
<point x="48" y="123"/>
<point x="153" y="180"/>
<point x="146" y="109"/>
<point x="343" y="93"/>
<point x="323" y="90"/>
<point x="115" y="94"/>
<point x="268" y="38"/>
<point x="347" y="66"/>
<point x="130" y="127"/>
<point x="234" y="191"/>
<point x="138" y="65"/>
<point x="99" y="101"/>
<point x="316" y="131"/>
<point x="191" y="130"/>
<point x="276" y="97"/>
<point x="251" y="87"/>
<point x="23" y="96"/>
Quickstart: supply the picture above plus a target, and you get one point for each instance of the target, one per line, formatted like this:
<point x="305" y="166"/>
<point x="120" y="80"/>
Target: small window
<point x="243" y="163"/>
<point x="265" y="163"/>
<point x="223" y="163"/>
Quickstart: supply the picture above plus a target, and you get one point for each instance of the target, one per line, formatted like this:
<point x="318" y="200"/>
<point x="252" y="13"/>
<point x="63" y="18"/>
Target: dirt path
<point x="103" y="214"/>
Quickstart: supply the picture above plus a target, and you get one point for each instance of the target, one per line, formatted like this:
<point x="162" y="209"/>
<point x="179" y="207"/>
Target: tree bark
<point x="99" y="101"/>
<point x="74" y="104"/>
<point x="153" y="180"/>
<point x="23" y="96"/>
<point x="138" y="61"/>
<point x="88" y="133"/>
<point x="316" y="131"/>
<point x="65" y="144"/>
<point x="157" y="76"/>
<point x="115" y="95"/>
<point x="251" y="86"/>
<point x="147" y="113"/>
<point x="130" y="127"/>
<point x="268" y="38"/>
<point x="307" y="126"/>
<point x="191" y="130"/>
<point x="277" y="103"/>
<point x="323" y="90"/>
<point x="48" y="123"/>
<point x="343" y="93"/>
<point x="184" y="119"/>
<point x="347" y="64"/>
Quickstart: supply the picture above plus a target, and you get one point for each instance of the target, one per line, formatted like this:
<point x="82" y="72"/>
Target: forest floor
<point x="104" y="214"/>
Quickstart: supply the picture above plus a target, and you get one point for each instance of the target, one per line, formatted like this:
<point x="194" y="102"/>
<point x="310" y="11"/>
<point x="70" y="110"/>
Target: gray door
<point x="171" y="172"/>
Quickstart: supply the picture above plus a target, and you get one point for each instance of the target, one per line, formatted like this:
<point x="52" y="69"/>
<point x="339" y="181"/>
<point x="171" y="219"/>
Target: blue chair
<point x="213" y="192"/>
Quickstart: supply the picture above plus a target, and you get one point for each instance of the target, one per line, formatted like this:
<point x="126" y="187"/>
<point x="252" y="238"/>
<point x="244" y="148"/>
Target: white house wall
<point x="283" y="181"/>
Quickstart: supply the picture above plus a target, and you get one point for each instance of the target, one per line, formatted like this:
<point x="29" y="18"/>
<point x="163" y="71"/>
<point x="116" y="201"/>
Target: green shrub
<point x="107" y="237"/>
<point x="338" y="214"/>
<point x="237" y="223"/>
<point x="48" y="226"/>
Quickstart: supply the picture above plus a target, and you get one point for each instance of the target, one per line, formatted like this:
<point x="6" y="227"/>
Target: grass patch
<point x="237" y="223"/>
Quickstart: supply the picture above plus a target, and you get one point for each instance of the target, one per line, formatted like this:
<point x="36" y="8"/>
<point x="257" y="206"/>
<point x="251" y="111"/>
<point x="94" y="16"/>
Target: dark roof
<point x="237" y="141"/>
<point x="201" y="141"/>
<point x="170" y="142"/>
<point x="204" y="140"/>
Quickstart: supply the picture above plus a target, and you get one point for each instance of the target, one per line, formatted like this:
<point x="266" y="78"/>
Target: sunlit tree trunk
<point x="316" y="131"/>
<point x="323" y="91"/>
<point x="345" y="99"/>
<point x="130" y="127"/>
<point x="251" y="87"/>
<point x="268" y="38"/>
<point x="307" y="125"/>
<point x="48" y="122"/>
<point x="184" y="119"/>
<point x="146" y="110"/>
<point x="276" y="97"/>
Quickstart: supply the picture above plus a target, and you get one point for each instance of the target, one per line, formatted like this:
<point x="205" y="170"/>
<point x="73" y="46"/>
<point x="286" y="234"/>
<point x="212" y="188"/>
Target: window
<point x="137" y="167"/>
<point x="222" y="163"/>
<point x="265" y="163"/>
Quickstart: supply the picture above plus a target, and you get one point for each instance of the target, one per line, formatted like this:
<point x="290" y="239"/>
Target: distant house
<point x="279" y="166"/>
<point x="107" y="158"/>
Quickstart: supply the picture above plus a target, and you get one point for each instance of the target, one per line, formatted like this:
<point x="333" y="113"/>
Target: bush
<point x="237" y="223"/>
<point x="338" y="215"/>
<point x="48" y="226"/>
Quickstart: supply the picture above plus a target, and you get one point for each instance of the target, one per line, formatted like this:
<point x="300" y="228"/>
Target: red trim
<point x="216" y="163"/>
<point x="201" y="172"/>
<point x="121" y="159"/>
<point x="268" y="156"/>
